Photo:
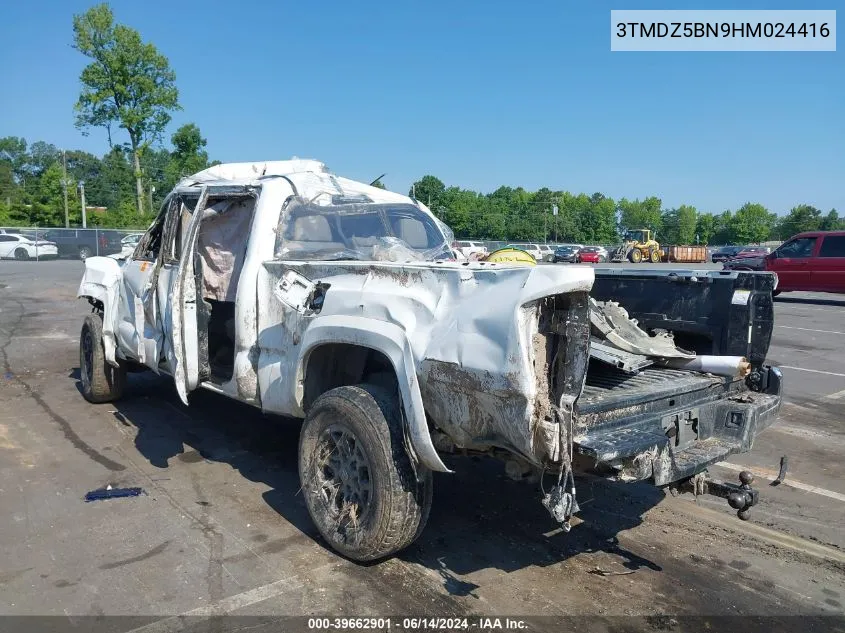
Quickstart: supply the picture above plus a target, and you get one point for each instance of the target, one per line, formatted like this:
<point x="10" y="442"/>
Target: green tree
<point x="13" y="152"/>
<point x="669" y="227"/>
<point x="721" y="228"/>
<point x="752" y="223"/>
<point x="41" y="156"/>
<point x="831" y="222"/>
<point x="189" y="155"/>
<point x="128" y="83"/>
<point x="460" y="211"/>
<point x="115" y="184"/>
<point x="428" y="190"/>
<point x="802" y="218"/>
<point x="687" y="221"/>
<point x="640" y="214"/>
<point x="705" y="228"/>
<point x="600" y="222"/>
<point x="155" y="164"/>
<point x="48" y="201"/>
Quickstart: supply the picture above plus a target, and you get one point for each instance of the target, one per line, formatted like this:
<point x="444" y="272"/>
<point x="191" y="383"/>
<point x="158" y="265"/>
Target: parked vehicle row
<point x="812" y="262"/>
<point x="69" y="243"/>
<point x="729" y="252"/>
<point x="578" y="254"/>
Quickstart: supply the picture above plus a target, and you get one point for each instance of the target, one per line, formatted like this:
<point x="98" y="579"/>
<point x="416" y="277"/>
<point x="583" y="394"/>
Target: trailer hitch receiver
<point x="741" y="497"/>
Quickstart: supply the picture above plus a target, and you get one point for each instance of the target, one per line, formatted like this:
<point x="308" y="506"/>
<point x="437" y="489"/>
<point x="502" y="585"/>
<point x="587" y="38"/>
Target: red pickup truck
<point x="812" y="261"/>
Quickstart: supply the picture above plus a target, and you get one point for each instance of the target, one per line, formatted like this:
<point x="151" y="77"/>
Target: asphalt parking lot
<point x="222" y="528"/>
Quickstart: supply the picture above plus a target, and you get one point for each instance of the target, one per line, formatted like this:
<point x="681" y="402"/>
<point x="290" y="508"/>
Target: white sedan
<point x="15" y="246"/>
<point x="127" y="246"/>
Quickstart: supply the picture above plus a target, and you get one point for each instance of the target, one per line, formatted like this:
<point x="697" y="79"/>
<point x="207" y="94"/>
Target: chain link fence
<point x="38" y="243"/>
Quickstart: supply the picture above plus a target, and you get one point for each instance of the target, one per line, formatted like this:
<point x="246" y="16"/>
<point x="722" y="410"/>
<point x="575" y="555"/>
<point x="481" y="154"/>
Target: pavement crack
<point x="67" y="430"/>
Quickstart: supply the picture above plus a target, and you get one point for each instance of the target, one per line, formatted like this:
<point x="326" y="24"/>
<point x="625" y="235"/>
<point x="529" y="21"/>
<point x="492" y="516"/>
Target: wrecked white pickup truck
<point x="313" y="296"/>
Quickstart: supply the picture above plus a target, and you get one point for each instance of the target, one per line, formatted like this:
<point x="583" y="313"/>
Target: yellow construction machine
<point x="639" y="246"/>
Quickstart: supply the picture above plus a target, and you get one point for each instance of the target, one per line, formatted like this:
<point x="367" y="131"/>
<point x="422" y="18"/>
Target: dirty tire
<point x="101" y="381"/>
<point x="85" y="252"/>
<point x="636" y="256"/>
<point x="21" y="254"/>
<point x="363" y="492"/>
<point x="655" y="257"/>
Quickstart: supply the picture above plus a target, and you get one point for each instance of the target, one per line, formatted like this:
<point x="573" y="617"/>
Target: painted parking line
<point x="227" y="605"/>
<point x="775" y="537"/>
<point x="812" y="371"/>
<point x="836" y="396"/>
<point x="806" y="329"/>
<point x="772" y="475"/>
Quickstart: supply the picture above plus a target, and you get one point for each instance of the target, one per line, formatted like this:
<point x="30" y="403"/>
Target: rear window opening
<point x="359" y="231"/>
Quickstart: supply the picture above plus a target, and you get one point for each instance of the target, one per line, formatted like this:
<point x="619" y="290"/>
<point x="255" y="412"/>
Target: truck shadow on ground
<point x="477" y="499"/>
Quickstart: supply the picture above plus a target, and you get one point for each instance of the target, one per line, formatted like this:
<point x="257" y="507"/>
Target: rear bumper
<point x="670" y="446"/>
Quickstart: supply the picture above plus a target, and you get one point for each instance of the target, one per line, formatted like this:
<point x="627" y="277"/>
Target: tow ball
<point x="741" y="497"/>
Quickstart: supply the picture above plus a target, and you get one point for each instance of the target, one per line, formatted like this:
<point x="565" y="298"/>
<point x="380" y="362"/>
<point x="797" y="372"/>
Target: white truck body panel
<point x="423" y="316"/>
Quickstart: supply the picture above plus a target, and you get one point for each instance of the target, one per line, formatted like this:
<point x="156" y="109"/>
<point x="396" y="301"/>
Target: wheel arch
<point x="354" y="345"/>
<point x="100" y="285"/>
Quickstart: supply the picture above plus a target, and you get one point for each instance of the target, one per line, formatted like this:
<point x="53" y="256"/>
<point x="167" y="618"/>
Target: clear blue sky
<point x="479" y="93"/>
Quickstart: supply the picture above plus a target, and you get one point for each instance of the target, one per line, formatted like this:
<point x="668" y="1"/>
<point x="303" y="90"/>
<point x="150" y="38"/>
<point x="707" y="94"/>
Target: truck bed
<point x="610" y="388"/>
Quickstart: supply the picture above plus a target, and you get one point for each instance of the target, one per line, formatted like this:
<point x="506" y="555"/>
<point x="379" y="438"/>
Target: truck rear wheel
<point x="363" y="492"/>
<point x="655" y="257"/>
<point x="636" y="256"/>
<point x="101" y="381"/>
<point x="85" y="252"/>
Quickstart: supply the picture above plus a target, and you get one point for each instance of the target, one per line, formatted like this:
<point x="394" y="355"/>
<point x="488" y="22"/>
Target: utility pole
<point x="64" y="186"/>
<point x="152" y="191"/>
<point x="82" y="200"/>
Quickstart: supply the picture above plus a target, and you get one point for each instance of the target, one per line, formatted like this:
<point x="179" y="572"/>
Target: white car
<point x="15" y="246"/>
<point x="471" y="250"/>
<point x="127" y="246"/>
<point x="547" y="251"/>
<point x="532" y="249"/>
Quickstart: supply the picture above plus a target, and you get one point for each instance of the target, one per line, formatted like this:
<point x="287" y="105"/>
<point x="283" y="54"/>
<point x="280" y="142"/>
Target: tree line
<point x="32" y="180"/>
<point x="515" y="214"/>
<point x="129" y="91"/>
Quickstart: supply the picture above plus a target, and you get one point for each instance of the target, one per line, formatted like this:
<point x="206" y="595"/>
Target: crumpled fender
<point x="390" y="340"/>
<point x="101" y="281"/>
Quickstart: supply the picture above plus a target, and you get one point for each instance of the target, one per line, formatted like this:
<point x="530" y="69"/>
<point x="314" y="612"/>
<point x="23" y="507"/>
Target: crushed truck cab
<point x="309" y="295"/>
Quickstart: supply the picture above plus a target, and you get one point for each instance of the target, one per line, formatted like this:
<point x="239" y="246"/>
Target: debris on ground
<point x="598" y="571"/>
<point x="112" y="493"/>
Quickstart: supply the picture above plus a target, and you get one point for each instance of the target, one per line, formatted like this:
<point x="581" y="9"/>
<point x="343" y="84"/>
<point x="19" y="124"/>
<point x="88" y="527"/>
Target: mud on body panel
<point x="481" y="410"/>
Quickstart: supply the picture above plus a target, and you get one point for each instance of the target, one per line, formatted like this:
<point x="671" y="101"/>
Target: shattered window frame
<point x="339" y="243"/>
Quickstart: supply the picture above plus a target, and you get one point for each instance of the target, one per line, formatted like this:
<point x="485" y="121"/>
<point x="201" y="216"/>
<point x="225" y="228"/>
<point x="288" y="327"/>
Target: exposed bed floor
<point x="610" y="387"/>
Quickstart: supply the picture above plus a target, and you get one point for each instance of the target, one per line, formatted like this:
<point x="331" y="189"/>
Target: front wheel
<point x="363" y="491"/>
<point x="85" y="252"/>
<point x="21" y="254"/>
<point x="101" y="381"/>
<point x="636" y="256"/>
